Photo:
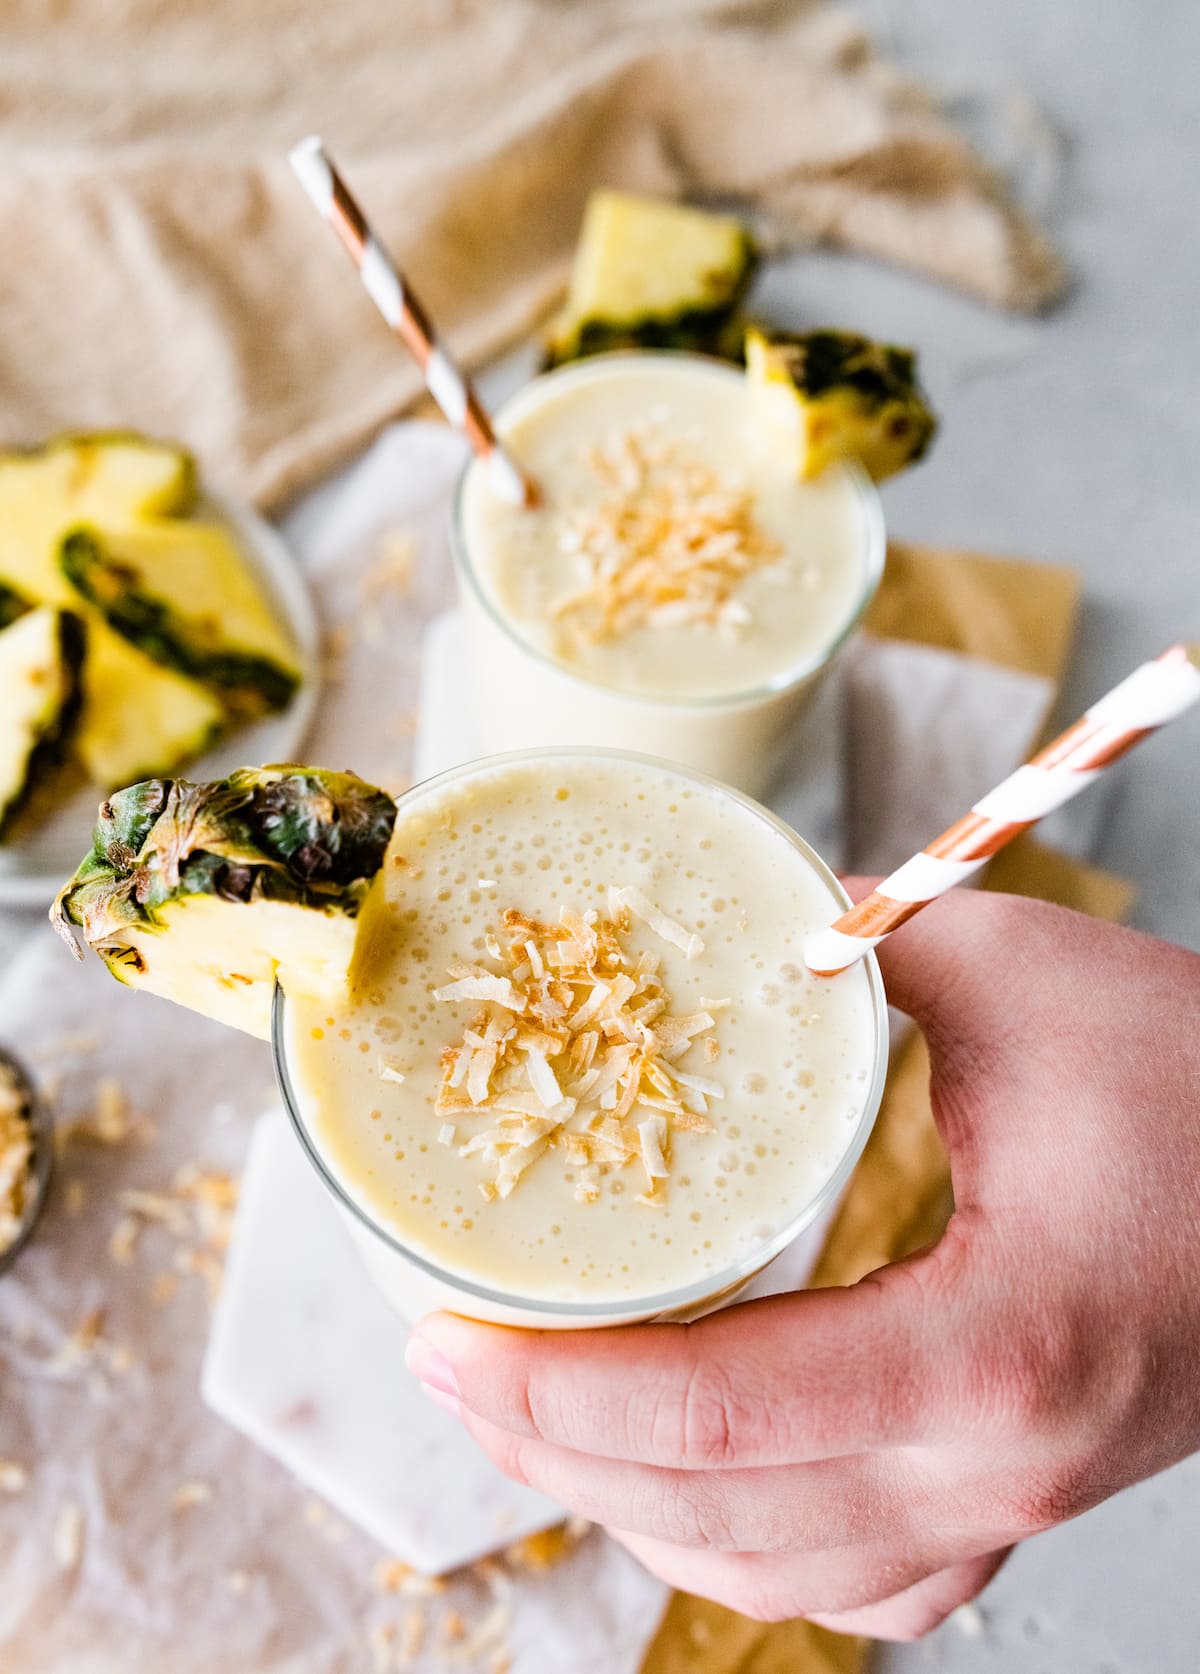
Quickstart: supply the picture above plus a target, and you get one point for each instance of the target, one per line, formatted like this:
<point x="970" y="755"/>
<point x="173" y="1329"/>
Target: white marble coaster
<point x="307" y="1359"/>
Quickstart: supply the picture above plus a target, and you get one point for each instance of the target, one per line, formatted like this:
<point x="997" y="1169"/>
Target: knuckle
<point x="711" y="1422"/>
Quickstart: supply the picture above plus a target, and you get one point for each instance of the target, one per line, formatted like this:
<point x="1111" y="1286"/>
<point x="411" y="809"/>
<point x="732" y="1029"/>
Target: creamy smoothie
<point x="583" y="1076"/>
<point x="677" y="590"/>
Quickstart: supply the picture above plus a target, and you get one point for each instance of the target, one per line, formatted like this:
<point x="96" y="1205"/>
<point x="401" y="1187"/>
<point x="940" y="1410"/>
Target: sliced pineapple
<point x="650" y="274"/>
<point x="208" y="894"/>
<point x="40" y="659"/>
<point x="12" y="605"/>
<point x="139" y="719"/>
<point x="181" y="592"/>
<point x="109" y="478"/>
<point x="119" y="475"/>
<point x="827" y="395"/>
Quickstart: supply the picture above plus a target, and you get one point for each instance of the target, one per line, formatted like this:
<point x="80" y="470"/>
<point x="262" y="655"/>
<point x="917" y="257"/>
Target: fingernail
<point x="433" y="1369"/>
<point x="448" y="1403"/>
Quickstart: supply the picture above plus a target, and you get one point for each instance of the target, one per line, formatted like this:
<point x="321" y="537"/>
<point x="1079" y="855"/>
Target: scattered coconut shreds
<point x="390" y="1072"/>
<point x="390" y="1574"/>
<point x="541" y="1551"/>
<point x="13" y="1476"/>
<point x="164" y="1288"/>
<point x="335" y="647"/>
<point x="391" y="574"/>
<point x="67" y="1539"/>
<point x="668" y="543"/>
<point x="79" y="1347"/>
<point x="238" y="1582"/>
<point x="969" y="1620"/>
<point x="74" y="1196"/>
<point x="575" y="1050"/>
<point x="123" y="1240"/>
<point x="197" y="1211"/>
<point x="189" y="1494"/>
<point x="111" y="1121"/>
<point x="16" y="1156"/>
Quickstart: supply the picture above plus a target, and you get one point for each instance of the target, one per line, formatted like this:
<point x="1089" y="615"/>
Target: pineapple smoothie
<point x="679" y="590"/>
<point x="582" y="1076"/>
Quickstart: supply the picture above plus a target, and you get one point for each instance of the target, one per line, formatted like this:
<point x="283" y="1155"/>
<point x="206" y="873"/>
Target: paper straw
<point x="396" y="300"/>
<point x="1152" y="695"/>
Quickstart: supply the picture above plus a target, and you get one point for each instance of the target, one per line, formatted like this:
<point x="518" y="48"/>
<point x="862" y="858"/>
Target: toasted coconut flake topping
<point x="574" y="1051"/>
<point x="668" y="544"/>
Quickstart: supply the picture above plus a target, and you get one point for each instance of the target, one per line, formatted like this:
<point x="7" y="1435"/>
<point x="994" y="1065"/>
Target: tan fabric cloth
<point x="1020" y="615"/>
<point x="163" y="270"/>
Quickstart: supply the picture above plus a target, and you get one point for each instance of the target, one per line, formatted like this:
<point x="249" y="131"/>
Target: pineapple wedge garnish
<point x="208" y="894"/>
<point x="828" y="395"/>
<point x="653" y="275"/>
<point x="181" y="592"/>
<point x="41" y="655"/>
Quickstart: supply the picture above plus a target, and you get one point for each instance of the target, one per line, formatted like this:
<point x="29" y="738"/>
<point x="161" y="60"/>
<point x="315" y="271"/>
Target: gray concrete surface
<point x="1074" y="438"/>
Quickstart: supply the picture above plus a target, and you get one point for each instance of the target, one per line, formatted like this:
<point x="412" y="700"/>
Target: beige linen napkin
<point x="164" y="271"/>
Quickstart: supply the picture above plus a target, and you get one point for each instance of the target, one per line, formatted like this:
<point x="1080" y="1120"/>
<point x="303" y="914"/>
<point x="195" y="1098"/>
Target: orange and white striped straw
<point x="1152" y="695"/>
<point x="396" y="300"/>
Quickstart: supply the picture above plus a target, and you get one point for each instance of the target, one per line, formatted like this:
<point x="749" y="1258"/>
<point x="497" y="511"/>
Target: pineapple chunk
<point x="138" y="719"/>
<point x="182" y="594"/>
<point x="650" y="274"/>
<point x="12" y="605"/>
<point x="830" y="394"/>
<point x="40" y="659"/>
<point x="120" y="475"/>
<point x="209" y="894"/>
<point x="110" y="478"/>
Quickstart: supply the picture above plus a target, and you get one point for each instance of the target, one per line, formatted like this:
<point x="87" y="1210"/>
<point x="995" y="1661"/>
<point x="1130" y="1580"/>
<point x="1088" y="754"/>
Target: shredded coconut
<point x="576" y="1052"/>
<point x="669" y="542"/>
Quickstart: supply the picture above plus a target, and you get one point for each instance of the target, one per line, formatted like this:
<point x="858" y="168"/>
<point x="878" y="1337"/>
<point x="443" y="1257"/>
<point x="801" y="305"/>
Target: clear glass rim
<point x="665" y="1302"/>
<point x="869" y="506"/>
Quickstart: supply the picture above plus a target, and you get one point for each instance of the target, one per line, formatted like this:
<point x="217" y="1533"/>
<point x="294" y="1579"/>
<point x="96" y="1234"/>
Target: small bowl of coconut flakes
<point x="26" y="1159"/>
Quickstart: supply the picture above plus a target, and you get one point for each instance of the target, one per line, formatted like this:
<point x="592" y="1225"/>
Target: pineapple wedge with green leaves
<point x="181" y="592"/>
<point x="653" y="275"/>
<point x="41" y="655"/>
<point x="827" y="395"/>
<point x="207" y="894"/>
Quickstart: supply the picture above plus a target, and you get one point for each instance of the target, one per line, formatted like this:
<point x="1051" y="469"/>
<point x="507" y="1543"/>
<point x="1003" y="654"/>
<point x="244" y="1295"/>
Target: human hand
<point x="864" y="1456"/>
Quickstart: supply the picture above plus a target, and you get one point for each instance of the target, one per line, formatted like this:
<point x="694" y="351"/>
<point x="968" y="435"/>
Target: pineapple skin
<point x="624" y="296"/>
<point x="247" y="683"/>
<point x="841" y="394"/>
<point x="51" y="727"/>
<point x="12" y="605"/>
<point x="207" y="894"/>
